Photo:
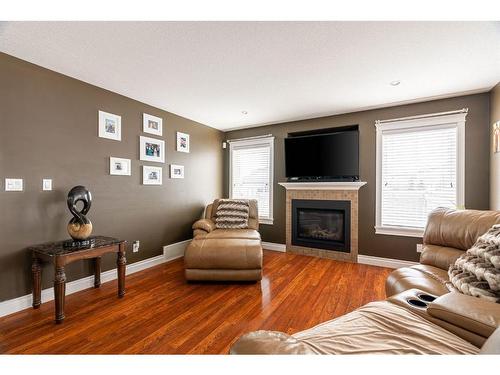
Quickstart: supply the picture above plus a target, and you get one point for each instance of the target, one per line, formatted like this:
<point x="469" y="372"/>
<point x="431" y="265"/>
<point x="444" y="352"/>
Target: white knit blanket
<point x="477" y="272"/>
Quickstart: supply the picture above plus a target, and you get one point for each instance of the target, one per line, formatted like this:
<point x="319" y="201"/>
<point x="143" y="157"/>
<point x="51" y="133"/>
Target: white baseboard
<point x="384" y="262"/>
<point x="170" y="252"/>
<point x="274" y="246"/>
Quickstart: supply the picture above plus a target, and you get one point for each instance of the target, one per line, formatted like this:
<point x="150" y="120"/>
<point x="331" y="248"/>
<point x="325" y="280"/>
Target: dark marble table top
<point x="69" y="246"/>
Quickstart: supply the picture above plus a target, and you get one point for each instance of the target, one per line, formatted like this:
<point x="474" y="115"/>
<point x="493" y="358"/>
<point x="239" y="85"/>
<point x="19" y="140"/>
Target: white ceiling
<point x="276" y="71"/>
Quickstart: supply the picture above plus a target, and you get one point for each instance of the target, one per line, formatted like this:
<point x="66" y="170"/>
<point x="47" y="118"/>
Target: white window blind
<point x="251" y="173"/>
<point x="419" y="168"/>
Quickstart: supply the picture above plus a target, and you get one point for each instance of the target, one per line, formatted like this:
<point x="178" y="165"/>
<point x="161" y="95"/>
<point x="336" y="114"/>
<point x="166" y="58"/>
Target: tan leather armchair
<point x="449" y="233"/>
<point x="224" y="254"/>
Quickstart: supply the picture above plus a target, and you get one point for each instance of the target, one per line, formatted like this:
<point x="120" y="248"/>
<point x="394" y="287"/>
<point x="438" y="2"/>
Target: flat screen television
<point x="332" y="156"/>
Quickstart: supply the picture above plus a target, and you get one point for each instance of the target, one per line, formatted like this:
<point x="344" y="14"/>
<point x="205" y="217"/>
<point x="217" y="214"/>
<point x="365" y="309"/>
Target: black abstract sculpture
<point x="79" y="227"/>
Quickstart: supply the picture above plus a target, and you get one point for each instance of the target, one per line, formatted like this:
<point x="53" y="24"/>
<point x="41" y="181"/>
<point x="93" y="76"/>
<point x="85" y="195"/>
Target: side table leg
<point x="121" y="263"/>
<point x="36" y="271"/>
<point x="97" y="272"/>
<point x="59" y="293"/>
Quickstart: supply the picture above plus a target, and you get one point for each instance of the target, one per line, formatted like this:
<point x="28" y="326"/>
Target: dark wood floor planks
<point x="162" y="314"/>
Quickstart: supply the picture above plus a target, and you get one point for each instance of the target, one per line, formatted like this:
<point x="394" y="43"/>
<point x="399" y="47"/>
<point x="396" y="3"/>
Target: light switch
<point x="47" y="184"/>
<point x="13" y="184"/>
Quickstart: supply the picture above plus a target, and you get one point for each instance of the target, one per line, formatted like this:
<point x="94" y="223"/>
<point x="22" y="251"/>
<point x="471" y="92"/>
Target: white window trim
<point x="255" y="141"/>
<point x="436" y="121"/>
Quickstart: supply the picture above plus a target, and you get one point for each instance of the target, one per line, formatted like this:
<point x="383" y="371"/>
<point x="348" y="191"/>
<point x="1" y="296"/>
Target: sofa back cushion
<point x="458" y="229"/>
<point x="253" y="213"/>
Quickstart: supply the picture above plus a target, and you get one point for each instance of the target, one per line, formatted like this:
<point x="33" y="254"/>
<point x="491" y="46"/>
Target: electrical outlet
<point x="47" y="184"/>
<point x="419" y="248"/>
<point x="135" y="246"/>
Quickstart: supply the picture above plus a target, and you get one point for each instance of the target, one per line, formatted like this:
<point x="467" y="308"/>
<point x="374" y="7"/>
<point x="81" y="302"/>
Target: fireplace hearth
<point x="321" y="224"/>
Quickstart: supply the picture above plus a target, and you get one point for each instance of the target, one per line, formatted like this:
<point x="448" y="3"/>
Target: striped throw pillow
<point x="232" y="214"/>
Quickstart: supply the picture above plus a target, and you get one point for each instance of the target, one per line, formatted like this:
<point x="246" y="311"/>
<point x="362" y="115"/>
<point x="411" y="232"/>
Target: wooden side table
<point x="60" y="255"/>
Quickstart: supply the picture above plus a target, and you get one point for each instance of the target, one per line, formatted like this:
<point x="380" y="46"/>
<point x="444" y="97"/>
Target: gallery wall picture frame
<point x="182" y="142"/>
<point x="151" y="149"/>
<point x="151" y="175"/>
<point x="176" y="171"/>
<point x="152" y="124"/>
<point x="110" y="126"/>
<point x="120" y="166"/>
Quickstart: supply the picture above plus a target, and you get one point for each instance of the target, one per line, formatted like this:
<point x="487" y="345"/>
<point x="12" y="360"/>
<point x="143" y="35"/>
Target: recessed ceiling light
<point x="395" y="83"/>
<point x="244" y="112"/>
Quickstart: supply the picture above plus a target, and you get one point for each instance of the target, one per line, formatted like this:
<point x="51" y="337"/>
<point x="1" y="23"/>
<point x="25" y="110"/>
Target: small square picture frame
<point x="110" y="126"/>
<point x="151" y="175"/>
<point x="182" y="142"/>
<point x="152" y="124"/>
<point x="176" y="171"/>
<point x="152" y="149"/>
<point x="120" y="166"/>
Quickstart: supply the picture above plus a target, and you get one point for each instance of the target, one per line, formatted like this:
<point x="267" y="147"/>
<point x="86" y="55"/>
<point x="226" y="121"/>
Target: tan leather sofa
<point x="420" y="316"/>
<point x="224" y="254"/>
<point x="447" y="235"/>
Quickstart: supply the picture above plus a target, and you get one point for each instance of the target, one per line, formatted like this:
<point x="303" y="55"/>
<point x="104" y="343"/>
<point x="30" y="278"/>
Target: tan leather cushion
<point x="471" y="313"/>
<point x="426" y="278"/>
<point x="439" y="256"/>
<point x="492" y="345"/>
<point x="223" y="275"/>
<point x="227" y="253"/>
<point x="249" y="234"/>
<point x="204" y="224"/>
<point x="458" y="228"/>
<point x="376" y="328"/>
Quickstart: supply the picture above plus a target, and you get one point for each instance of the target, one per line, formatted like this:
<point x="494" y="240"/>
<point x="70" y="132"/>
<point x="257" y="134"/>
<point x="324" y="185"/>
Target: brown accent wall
<point x="476" y="176"/>
<point x="48" y="129"/>
<point x="495" y="157"/>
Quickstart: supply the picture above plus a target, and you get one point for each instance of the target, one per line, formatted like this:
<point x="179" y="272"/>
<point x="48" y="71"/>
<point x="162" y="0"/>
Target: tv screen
<point x="333" y="156"/>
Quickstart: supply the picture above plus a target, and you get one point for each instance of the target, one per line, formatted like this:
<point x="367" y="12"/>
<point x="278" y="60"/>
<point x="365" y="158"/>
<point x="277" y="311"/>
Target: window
<point x="251" y="173"/>
<point x="420" y="166"/>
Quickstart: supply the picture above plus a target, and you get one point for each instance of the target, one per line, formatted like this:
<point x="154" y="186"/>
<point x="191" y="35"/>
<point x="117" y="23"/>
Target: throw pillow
<point x="477" y="272"/>
<point x="232" y="214"/>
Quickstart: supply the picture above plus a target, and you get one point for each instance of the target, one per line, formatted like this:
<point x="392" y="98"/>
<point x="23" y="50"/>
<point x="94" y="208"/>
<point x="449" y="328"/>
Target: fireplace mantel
<point x="322" y="185"/>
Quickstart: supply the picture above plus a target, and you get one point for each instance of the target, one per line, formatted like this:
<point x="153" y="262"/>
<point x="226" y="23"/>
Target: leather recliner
<point x="448" y="234"/>
<point x="447" y="323"/>
<point x="224" y="254"/>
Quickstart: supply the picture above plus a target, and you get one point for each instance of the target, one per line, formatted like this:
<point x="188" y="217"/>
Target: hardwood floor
<point x="161" y="313"/>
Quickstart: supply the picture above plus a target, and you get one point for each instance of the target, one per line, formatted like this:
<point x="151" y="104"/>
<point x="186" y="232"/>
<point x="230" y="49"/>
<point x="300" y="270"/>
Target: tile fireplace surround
<point x="343" y="191"/>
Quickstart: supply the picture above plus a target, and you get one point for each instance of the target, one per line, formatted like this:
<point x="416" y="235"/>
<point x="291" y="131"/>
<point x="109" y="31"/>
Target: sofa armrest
<point x="470" y="313"/>
<point x="204" y="224"/>
<point x="269" y="342"/>
<point x="439" y="256"/>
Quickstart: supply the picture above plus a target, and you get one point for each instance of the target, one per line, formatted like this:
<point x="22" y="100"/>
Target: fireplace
<point x="322" y="224"/>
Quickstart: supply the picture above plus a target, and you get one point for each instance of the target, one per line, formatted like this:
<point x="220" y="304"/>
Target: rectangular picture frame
<point x="110" y="126"/>
<point x="152" y="175"/>
<point x="152" y="124"/>
<point x="182" y="142"/>
<point x="152" y="149"/>
<point x="120" y="166"/>
<point x="176" y="171"/>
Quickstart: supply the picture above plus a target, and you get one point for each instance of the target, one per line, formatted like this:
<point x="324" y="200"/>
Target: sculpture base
<point x="75" y="244"/>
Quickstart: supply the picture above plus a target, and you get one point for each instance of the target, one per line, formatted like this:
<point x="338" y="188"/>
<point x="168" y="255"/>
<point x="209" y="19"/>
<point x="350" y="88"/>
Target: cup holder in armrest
<point x="417" y="303"/>
<point x="426" y="297"/>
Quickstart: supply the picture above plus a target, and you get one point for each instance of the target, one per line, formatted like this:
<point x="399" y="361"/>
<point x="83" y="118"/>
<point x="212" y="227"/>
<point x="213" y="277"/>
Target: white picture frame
<point x="120" y="166"/>
<point x="152" y="149"/>
<point x="182" y="142"/>
<point x="110" y="126"/>
<point x="151" y="175"/>
<point x="176" y="171"/>
<point x="152" y="124"/>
